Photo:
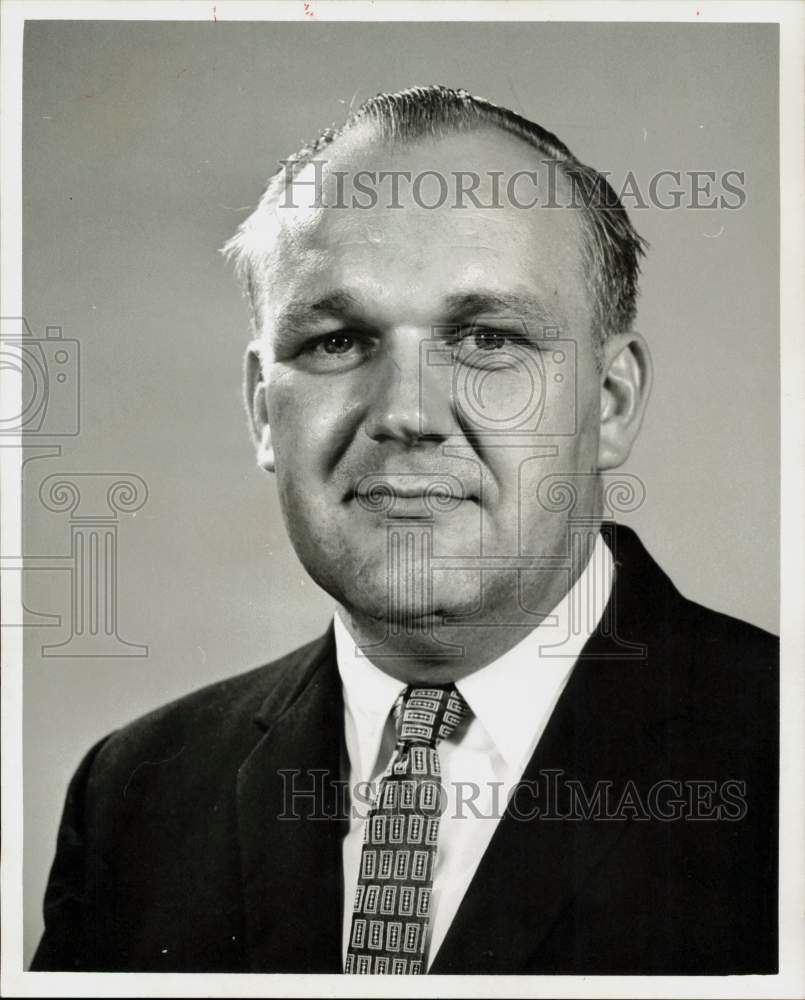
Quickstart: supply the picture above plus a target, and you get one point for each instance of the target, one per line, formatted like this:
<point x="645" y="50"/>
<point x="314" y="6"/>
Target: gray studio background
<point x="144" y="145"/>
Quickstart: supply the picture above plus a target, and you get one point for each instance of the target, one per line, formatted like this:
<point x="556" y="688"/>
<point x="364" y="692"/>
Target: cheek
<point x="289" y="417"/>
<point x="289" y="395"/>
<point x="312" y="420"/>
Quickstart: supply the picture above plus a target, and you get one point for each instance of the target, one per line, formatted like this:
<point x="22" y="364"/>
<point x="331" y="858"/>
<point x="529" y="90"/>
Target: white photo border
<point x="790" y="981"/>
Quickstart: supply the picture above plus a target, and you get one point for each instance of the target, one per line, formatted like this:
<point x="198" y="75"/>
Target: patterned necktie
<point x="391" y="913"/>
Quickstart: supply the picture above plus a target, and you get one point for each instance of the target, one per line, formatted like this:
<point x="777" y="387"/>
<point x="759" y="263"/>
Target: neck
<point x="434" y="649"/>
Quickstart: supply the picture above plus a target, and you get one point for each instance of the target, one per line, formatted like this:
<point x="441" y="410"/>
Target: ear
<point x="256" y="393"/>
<point x="625" y="386"/>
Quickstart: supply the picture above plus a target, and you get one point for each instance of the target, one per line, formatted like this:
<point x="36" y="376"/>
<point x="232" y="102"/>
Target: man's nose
<point x="410" y="400"/>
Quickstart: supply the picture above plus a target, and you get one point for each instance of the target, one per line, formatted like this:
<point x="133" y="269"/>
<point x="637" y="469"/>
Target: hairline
<point x="489" y="118"/>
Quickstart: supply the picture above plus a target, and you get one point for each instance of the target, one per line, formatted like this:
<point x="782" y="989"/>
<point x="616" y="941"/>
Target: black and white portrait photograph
<point x="402" y="440"/>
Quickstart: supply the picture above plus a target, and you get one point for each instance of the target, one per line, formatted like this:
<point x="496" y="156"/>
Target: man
<point x="518" y="749"/>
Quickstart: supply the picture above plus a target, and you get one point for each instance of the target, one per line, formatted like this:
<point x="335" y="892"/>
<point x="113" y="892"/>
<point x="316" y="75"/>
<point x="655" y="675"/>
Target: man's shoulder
<point x="223" y="718"/>
<point x="721" y="636"/>
<point x="650" y="602"/>
<point x="734" y="668"/>
<point x="702" y="665"/>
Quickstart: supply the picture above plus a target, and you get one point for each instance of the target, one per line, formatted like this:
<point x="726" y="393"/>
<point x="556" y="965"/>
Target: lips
<point x="408" y="491"/>
<point x="435" y="493"/>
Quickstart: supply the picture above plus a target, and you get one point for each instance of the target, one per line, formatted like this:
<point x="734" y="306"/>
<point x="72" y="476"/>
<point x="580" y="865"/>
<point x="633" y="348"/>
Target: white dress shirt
<point x="511" y="700"/>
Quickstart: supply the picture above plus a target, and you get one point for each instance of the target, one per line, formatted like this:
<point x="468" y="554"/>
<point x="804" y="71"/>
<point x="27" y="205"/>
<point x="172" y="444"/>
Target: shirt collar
<point x="513" y="696"/>
<point x="369" y="696"/>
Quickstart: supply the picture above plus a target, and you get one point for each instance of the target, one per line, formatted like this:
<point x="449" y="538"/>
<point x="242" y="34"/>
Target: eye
<point x="490" y="340"/>
<point x="337" y="343"/>
<point x="334" y="352"/>
<point x="489" y="348"/>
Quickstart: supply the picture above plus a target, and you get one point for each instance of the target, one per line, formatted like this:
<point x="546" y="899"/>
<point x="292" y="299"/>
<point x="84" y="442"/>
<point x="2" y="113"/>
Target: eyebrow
<point x="301" y="314"/>
<point x="458" y="308"/>
<point x="467" y="306"/>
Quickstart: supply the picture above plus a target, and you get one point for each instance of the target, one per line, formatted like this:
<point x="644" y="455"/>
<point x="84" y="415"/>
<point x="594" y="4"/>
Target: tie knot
<point x="428" y="715"/>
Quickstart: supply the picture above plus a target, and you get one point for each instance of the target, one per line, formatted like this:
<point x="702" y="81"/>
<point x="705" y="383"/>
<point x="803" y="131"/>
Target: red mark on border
<point x="215" y="14"/>
<point x="308" y="11"/>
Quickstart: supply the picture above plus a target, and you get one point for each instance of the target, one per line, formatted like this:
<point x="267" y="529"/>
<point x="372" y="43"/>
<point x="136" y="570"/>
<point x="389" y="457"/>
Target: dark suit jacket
<point x="172" y="857"/>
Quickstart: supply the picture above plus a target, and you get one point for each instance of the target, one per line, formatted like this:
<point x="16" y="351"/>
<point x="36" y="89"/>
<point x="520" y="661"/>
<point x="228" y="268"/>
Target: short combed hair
<point x="612" y="248"/>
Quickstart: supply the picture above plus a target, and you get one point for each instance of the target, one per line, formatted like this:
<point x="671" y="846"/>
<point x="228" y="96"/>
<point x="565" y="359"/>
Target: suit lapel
<point x="290" y="822"/>
<point x="602" y="729"/>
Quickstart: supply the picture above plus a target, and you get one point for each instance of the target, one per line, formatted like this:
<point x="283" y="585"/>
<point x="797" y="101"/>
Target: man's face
<point x="404" y="347"/>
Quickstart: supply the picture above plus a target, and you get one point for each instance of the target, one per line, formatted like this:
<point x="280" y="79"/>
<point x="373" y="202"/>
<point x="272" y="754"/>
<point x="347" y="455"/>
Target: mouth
<point x="405" y="493"/>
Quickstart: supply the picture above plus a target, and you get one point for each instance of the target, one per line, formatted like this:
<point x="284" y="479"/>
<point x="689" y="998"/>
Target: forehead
<point x="394" y="226"/>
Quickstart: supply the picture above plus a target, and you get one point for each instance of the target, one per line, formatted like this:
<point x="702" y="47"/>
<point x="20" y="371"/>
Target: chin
<point x="415" y="608"/>
<point x="369" y="585"/>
